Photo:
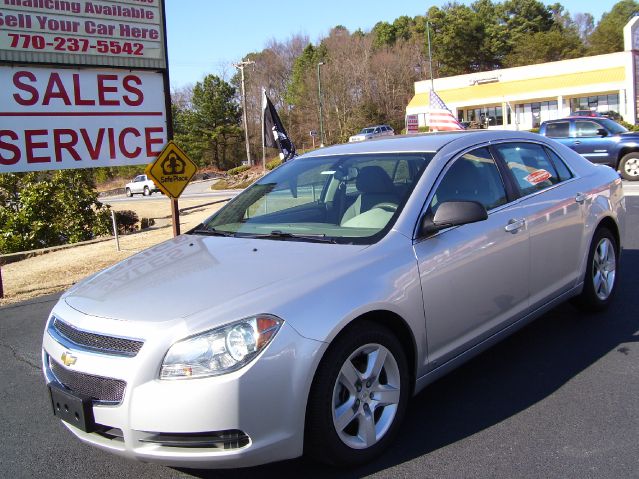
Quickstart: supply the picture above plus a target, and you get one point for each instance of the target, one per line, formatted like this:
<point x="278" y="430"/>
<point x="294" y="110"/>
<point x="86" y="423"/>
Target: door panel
<point x="474" y="277"/>
<point x="474" y="282"/>
<point x="590" y="145"/>
<point x="553" y="217"/>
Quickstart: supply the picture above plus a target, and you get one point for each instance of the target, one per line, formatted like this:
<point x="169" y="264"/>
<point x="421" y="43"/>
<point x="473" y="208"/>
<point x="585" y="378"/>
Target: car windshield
<point x="366" y="130"/>
<point x="338" y="199"/>
<point x="613" y="127"/>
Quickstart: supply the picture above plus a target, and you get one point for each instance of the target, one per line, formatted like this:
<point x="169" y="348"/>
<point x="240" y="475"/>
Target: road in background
<point x="560" y="398"/>
<point x="198" y="189"/>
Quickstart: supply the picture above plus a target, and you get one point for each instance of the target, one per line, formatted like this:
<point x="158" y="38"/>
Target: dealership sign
<point x="123" y="33"/>
<point x="54" y="119"/>
<point x="83" y="83"/>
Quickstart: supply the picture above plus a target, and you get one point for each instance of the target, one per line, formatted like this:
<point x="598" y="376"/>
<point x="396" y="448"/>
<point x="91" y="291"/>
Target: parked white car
<point x="141" y="185"/>
<point x="372" y="132"/>
<point x="302" y="316"/>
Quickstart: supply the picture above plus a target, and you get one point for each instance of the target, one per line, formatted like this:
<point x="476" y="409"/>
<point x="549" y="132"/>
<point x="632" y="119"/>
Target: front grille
<point x="97" y="387"/>
<point x="98" y="342"/>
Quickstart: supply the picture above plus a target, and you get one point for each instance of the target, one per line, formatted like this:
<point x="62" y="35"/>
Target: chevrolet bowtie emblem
<point x="68" y="359"/>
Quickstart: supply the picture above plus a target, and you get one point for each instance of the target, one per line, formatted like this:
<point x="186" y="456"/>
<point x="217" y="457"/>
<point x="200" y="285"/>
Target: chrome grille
<point x="97" y="342"/>
<point x="97" y="387"/>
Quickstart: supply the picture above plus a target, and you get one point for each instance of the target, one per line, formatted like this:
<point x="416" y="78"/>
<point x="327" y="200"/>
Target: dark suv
<point x="598" y="139"/>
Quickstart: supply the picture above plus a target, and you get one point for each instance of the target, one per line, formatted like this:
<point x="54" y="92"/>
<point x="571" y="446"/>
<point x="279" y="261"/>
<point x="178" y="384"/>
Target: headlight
<point x="221" y="350"/>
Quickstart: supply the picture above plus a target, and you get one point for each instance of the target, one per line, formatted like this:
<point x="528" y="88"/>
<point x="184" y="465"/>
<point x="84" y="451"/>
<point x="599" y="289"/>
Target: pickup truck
<point x="141" y="184"/>
<point x="599" y="140"/>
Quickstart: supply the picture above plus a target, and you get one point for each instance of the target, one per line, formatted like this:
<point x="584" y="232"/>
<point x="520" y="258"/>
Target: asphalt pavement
<point x="558" y="399"/>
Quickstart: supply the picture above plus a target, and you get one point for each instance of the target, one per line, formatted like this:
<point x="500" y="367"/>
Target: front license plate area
<point x="72" y="408"/>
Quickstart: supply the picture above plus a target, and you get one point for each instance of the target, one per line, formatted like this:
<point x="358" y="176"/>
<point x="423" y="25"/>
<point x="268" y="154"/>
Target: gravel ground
<point x="56" y="271"/>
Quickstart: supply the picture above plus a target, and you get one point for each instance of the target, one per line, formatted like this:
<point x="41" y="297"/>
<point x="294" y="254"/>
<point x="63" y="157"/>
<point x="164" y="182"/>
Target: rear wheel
<point x="601" y="272"/>
<point x="128" y="192"/>
<point x="358" y="397"/>
<point x="629" y="166"/>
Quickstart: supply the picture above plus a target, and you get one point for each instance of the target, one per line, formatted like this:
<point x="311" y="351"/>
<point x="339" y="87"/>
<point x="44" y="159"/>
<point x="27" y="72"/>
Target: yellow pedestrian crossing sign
<point x="172" y="170"/>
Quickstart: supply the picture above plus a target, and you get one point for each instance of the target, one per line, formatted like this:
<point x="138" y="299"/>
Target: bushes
<point x="38" y="210"/>
<point x="271" y="165"/>
<point x="126" y="220"/>
<point x="239" y="169"/>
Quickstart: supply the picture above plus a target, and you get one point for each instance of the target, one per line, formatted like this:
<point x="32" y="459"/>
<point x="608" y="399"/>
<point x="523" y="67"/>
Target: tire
<point x="629" y="166"/>
<point x="600" y="282"/>
<point x="147" y="191"/>
<point x="352" y="415"/>
<point x="128" y="192"/>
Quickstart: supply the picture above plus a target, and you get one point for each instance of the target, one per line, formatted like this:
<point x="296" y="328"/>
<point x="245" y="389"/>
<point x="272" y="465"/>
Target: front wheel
<point x="629" y="166"/>
<point x="601" y="272"/>
<point x="147" y="191"/>
<point x="128" y="192"/>
<point x="358" y="397"/>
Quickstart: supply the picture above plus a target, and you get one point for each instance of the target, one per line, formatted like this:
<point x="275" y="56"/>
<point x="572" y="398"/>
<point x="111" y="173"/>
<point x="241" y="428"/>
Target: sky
<point x="207" y="36"/>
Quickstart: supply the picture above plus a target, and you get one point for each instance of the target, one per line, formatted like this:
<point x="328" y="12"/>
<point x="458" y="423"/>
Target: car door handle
<point x="577" y="143"/>
<point x="514" y="225"/>
<point x="581" y="197"/>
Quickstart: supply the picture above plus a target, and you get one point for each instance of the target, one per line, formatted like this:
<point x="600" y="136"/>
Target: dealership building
<point x="521" y="98"/>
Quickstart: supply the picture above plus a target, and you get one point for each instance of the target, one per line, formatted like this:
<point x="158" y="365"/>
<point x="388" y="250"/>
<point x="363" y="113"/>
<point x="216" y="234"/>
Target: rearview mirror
<point x="602" y="132"/>
<point x="452" y="213"/>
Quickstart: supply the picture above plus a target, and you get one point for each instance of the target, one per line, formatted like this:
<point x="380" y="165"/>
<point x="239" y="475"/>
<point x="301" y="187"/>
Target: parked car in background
<point x="591" y="113"/>
<point x="302" y="316"/>
<point x="141" y="185"/>
<point x="599" y="140"/>
<point x="371" y="132"/>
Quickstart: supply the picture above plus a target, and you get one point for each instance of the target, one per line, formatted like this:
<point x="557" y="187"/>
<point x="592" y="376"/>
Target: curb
<point x="15" y="257"/>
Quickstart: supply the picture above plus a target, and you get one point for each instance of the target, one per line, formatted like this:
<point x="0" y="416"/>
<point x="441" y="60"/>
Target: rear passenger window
<point x="473" y="177"/>
<point x="558" y="130"/>
<point x="530" y="166"/>
<point x="562" y="170"/>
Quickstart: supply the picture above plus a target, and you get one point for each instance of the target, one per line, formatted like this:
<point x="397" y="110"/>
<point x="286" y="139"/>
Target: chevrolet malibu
<point x="302" y="316"/>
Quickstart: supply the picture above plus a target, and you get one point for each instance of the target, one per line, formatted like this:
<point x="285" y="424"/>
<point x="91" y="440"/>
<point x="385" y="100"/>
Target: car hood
<point x="630" y="135"/>
<point x="188" y="274"/>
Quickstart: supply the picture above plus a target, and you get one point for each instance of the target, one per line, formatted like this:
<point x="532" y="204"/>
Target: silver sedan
<point x="302" y="316"/>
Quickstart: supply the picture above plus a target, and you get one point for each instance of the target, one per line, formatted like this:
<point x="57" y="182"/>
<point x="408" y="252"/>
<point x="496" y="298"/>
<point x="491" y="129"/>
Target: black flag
<point x="275" y="135"/>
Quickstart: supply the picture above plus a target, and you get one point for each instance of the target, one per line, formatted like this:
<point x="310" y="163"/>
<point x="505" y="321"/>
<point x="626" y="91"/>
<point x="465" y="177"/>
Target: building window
<point x="600" y="103"/>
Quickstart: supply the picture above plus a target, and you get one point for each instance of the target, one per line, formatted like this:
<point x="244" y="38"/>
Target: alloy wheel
<point x="366" y="396"/>
<point x="604" y="267"/>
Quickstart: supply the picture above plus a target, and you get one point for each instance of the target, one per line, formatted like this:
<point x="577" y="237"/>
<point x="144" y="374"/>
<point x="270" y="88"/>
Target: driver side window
<point x="472" y="177"/>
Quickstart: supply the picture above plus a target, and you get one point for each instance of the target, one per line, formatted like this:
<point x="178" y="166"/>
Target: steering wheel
<point x="387" y="206"/>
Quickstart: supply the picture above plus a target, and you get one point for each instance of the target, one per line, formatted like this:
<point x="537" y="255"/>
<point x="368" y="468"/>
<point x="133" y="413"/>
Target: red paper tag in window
<point x="538" y="176"/>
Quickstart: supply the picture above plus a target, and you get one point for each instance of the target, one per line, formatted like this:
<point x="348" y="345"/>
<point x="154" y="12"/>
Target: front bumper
<point x="249" y="417"/>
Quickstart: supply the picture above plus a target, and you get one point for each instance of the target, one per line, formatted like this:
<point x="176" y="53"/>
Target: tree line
<point x="368" y="77"/>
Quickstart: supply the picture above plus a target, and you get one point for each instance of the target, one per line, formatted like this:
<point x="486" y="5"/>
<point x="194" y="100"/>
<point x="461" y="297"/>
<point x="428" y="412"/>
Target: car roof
<point x="419" y="142"/>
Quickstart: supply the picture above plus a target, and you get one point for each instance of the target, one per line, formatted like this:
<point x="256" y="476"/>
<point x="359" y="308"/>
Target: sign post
<point x="171" y="172"/>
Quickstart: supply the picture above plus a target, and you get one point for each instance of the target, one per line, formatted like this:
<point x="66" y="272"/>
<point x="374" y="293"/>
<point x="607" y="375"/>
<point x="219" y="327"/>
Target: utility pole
<point x="319" y="95"/>
<point x="430" y="56"/>
<point x="241" y="66"/>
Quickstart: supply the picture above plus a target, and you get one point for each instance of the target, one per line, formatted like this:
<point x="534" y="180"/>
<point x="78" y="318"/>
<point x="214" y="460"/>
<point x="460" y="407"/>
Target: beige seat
<point x="375" y="187"/>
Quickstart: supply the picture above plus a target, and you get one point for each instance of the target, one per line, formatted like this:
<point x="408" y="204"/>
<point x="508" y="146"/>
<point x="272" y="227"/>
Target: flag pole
<point x="430" y="56"/>
<point x="263" y="143"/>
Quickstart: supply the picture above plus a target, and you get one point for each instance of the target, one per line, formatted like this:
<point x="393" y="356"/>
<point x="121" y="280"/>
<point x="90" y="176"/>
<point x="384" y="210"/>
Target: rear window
<point x="530" y="166"/>
<point x="558" y="130"/>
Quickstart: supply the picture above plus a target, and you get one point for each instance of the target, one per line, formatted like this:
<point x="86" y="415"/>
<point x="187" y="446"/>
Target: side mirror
<point x="602" y="132"/>
<point x="452" y="213"/>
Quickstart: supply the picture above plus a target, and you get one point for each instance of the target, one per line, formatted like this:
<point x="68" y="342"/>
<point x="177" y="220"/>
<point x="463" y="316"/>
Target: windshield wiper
<point x="281" y="235"/>
<point x="210" y="232"/>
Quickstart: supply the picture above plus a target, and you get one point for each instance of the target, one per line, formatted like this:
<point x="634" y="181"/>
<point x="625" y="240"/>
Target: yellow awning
<point x="476" y="94"/>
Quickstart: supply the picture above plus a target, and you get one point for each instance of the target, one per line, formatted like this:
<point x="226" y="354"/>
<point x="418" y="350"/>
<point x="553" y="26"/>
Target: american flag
<point x="439" y="117"/>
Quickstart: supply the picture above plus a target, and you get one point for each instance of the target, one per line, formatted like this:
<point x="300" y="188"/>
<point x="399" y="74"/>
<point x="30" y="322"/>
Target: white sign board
<point x="83" y="32"/>
<point x="54" y="118"/>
